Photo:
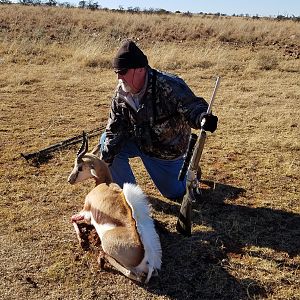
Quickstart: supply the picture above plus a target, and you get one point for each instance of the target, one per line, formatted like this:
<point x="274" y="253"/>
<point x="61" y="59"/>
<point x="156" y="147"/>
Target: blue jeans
<point x="164" y="173"/>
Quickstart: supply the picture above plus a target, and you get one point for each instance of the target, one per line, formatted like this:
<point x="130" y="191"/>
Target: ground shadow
<point x="37" y="160"/>
<point x="195" y="267"/>
<point x="240" y="225"/>
<point x="263" y="227"/>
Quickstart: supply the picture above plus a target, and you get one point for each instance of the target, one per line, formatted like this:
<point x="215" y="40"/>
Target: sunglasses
<point x="121" y="72"/>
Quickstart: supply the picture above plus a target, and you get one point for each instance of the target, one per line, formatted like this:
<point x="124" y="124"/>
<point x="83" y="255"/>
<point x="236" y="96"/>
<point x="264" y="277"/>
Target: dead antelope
<point x="121" y="218"/>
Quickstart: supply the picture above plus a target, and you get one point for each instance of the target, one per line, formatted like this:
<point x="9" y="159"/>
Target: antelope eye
<point x="79" y="168"/>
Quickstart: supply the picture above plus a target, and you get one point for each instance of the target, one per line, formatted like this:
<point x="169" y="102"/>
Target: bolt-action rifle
<point x="190" y="168"/>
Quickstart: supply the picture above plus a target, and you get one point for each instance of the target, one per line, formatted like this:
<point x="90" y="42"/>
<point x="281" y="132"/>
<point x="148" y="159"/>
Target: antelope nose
<point x="71" y="178"/>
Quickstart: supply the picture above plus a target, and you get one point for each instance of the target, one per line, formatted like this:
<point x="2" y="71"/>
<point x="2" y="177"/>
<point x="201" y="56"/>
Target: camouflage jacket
<point x="162" y="124"/>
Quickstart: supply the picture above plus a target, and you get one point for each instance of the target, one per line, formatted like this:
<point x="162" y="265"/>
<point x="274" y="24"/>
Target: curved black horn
<point x="84" y="147"/>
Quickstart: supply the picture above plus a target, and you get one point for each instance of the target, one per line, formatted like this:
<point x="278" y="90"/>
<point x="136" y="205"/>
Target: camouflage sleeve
<point x="177" y="93"/>
<point x="116" y="131"/>
<point x="188" y="104"/>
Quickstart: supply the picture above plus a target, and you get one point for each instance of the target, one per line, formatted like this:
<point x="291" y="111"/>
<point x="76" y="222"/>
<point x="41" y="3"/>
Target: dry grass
<point x="55" y="81"/>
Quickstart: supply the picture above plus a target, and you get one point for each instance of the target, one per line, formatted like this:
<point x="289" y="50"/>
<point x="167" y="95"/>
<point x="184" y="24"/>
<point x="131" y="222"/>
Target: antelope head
<point x="84" y="166"/>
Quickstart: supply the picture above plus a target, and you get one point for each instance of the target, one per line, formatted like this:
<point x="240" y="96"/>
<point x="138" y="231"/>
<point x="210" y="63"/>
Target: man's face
<point x="132" y="80"/>
<point x="125" y="87"/>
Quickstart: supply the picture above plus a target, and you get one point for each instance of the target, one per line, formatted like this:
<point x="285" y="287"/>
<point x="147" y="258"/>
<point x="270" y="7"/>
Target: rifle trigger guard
<point x="191" y="175"/>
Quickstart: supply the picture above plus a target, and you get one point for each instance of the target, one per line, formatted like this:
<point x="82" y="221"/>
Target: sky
<point x="229" y="7"/>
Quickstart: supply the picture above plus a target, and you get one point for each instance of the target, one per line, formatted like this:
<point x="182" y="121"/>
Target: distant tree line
<point x="94" y="5"/>
<point x="38" y="2"/>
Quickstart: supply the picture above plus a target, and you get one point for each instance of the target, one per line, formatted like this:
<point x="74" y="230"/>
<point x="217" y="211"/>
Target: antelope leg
<point x="78" y="233"/>
<point x="123" y="270"/>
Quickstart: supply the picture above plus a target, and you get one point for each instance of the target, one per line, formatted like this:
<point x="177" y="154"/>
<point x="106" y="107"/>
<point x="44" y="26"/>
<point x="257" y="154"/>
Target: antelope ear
<point x="93" y="172"/>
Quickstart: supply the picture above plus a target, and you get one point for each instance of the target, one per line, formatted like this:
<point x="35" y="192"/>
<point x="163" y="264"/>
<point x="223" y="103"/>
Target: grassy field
<point x="56" y="81"/>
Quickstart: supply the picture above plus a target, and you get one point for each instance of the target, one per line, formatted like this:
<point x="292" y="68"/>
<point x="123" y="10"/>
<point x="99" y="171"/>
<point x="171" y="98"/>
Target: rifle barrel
<point x="212" y="99"/>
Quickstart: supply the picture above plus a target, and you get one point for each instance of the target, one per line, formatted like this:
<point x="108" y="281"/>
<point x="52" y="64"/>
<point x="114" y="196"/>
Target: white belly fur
<point x="101" y="228"/>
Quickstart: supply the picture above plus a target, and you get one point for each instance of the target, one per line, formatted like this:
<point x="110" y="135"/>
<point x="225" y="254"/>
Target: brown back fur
<point x="108" y="205"/>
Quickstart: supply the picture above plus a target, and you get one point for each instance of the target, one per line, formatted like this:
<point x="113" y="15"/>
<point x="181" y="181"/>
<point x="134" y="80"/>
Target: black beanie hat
<point x="129" y="56"/>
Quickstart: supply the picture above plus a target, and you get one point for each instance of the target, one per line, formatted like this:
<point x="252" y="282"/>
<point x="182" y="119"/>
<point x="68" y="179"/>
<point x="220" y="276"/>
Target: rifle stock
<point x="184" y="222"/>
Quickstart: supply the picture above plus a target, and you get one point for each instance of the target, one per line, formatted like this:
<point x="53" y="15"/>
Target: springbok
<point x="121" y="218"/>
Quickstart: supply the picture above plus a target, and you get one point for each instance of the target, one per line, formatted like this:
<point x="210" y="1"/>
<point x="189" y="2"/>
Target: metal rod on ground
<point x="61" y="145"/>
